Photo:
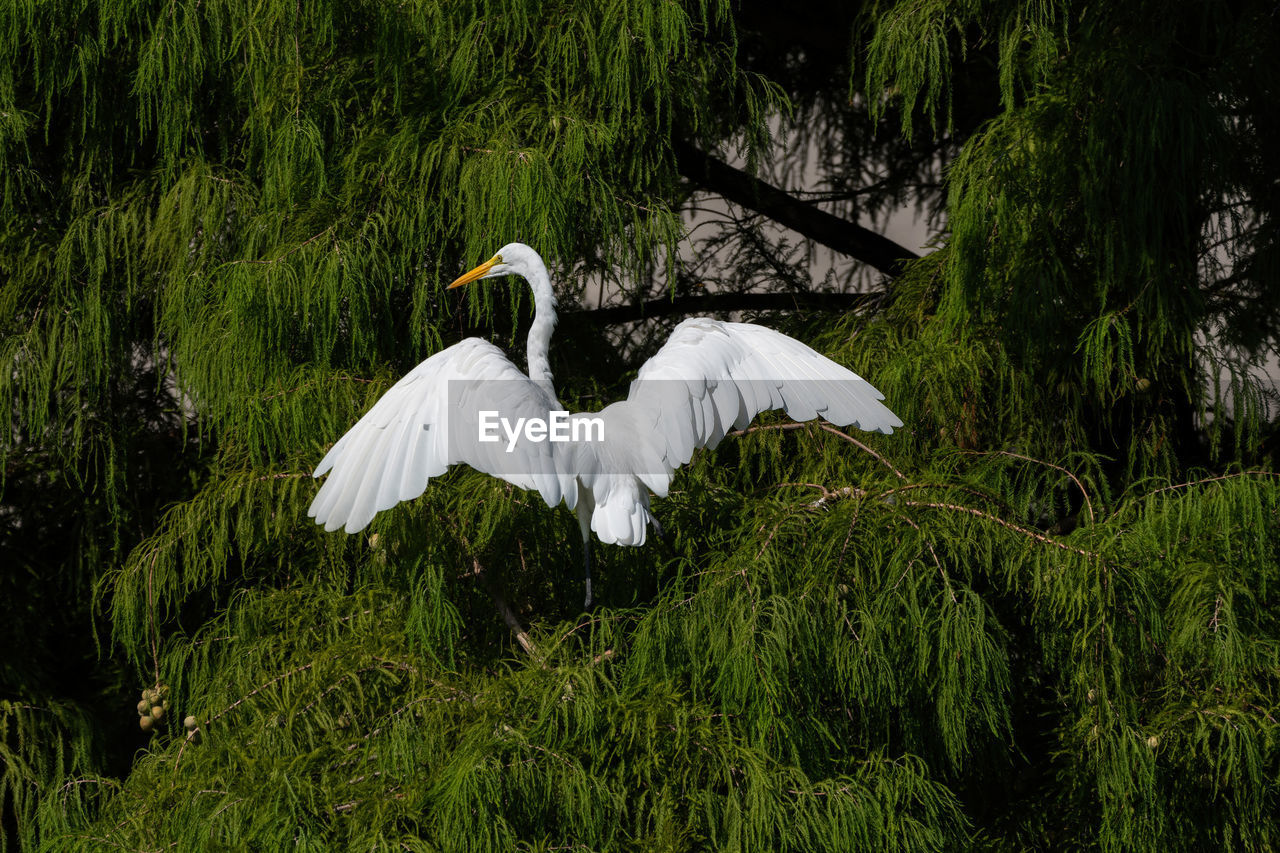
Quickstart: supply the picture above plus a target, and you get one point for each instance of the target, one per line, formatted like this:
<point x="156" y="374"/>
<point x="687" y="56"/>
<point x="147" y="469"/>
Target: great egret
<point x="709" y="377"/>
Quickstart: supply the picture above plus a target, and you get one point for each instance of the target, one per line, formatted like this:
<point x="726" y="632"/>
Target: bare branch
<point x="1214" y="480"/>
<point x="499" y="601"/>
<point x="812" y="222"/>
<point x="715" y="303"/>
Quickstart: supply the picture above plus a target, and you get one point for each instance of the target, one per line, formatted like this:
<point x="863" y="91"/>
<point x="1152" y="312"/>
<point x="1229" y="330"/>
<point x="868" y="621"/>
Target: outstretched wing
<point x="711" y="377"/>
<point x="428" y="421"/>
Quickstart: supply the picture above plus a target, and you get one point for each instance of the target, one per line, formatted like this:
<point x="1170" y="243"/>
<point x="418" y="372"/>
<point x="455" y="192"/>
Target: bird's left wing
<point x="428" y="421"/>
<point x="711" y="377"/>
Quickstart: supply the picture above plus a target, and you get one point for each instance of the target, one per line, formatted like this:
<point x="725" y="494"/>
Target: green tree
<point x="1042" y="615"/>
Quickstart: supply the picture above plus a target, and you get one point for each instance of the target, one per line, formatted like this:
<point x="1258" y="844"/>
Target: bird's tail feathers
<point x="621" y="515"/>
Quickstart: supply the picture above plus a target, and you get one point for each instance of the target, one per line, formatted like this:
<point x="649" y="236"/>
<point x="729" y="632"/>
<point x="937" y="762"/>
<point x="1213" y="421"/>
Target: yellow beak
<point x="477" y="273"/>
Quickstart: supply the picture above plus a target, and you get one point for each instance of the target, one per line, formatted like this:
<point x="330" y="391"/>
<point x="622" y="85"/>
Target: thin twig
<point x="794" y="425"/>
<point x="508" y="616"/>
<point x="855" y="441"/>
<point x="853" y="522"/>
<point x="772" y="533"/>
<point x="998" y="520"/>
<point x="254" y="692"/>
<point x="601" y="619"/>
<point x="948" y="486"/>
<point x="1217" y="610"/>
<point x="828" y="495"/>
<point x="332" y="687"/>
<point x="151" y="617"/>
<point x="767" y="428"/>
<point x="946" y="579"/>
<point x="1214" y="480"/>
<point x="817" y="486"/>
<point x="1088" y="504"/>
<point x="111" y="783"/>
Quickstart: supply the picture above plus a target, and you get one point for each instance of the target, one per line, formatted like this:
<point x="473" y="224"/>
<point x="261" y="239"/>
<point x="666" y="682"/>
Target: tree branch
<point x="508" y="616"/>
<point x="499" y="601"/>
<point x="720" y="302"/>
<point x="846" y="237"/>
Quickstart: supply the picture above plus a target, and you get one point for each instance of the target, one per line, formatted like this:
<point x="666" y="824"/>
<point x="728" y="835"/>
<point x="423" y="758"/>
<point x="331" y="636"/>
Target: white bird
<point x="709" y="378"/>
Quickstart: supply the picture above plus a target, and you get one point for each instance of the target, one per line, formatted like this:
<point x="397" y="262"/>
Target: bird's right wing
<point x="709" y="377"/>
<point x="712" y="376"/>
<point x="428" y="421"/>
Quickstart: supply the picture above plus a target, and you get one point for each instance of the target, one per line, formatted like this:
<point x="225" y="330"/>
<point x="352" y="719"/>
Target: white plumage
<point x="709" y="378"/>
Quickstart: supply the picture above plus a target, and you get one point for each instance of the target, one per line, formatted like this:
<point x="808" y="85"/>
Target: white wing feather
<point x="709" y="378"/>
<point x="404" y="440"/>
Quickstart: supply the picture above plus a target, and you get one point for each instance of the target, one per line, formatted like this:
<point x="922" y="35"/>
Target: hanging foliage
<point x="1043" y="614"/>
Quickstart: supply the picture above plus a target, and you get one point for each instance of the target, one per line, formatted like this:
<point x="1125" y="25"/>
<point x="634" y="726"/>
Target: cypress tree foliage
<point x="1042" y="615"/>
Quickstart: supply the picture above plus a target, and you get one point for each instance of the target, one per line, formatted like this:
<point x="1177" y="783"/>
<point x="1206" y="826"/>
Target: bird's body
<point x="709" y="378"/>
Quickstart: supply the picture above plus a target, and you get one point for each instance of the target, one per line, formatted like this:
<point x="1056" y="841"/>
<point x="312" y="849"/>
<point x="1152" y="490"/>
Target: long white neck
<point x="544" y="323"/>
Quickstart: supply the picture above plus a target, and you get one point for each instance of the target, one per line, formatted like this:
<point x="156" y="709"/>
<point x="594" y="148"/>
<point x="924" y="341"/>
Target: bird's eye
<point x="497" y="259"/>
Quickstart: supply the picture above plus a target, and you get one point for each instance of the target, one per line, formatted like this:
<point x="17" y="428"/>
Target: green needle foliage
<point x="1043" y="615"/>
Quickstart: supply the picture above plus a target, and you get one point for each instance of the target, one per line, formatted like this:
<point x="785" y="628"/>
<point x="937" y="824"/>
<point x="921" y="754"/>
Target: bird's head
<point x="511" y="259"/>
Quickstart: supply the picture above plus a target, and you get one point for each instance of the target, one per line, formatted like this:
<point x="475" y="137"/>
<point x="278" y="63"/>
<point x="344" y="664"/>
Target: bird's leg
<point x="586" y="573"/>
<point x="584" y="510"/>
